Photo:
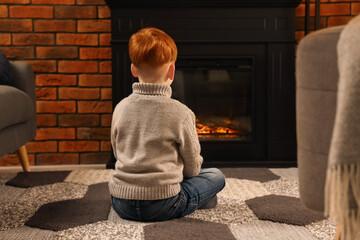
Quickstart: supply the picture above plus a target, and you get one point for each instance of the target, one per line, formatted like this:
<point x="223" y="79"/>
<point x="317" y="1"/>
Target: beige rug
<point x="257" y="203"/>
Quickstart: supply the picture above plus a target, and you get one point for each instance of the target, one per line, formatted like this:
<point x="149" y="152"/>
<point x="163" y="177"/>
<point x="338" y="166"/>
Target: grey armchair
<point x="18" y="113"/>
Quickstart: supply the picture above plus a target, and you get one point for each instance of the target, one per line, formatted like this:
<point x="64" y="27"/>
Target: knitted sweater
<point x="155" y="143"/>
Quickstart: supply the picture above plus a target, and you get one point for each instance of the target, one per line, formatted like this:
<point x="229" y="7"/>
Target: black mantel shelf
<point x="200" y="3"/>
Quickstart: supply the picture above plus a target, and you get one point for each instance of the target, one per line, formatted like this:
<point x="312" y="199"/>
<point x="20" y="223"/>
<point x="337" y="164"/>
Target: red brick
<point x="43" y="66"/>
<point x="47" y="146"/>
<point x="4" y="12"/>
<point x="78" y="67"/>
<point x="55" y="133"/>
<point x="57" y="52"/>
<point x="57" y="158"/>
<point x="74" y="12"/>
<point x="13" y="160"/>
<point x="95" y="80"/>
<point x="77" y="39"/>
<point x="95" y="53"/>
<point x="55" y="26"/>
<point x="106" y="93"/>
<point x="33" y="39"/>
<point x="105" y="67"/>
<point x="105" y="39"/>
<point x="93" y="133"/>
<point x="18" y="52"/>
<point x="300" y="10"/>
<point x="78" y="146"/>
<point x="79" y="93"/>
<point x="335" y="9"/>
<point x="9" y="160"/>
<point x="54" y="2"/>
<point x="55" y="80"/>
<point x="106" y="120"/>
<point x="16" y="25"/>
<point x="56" y="106"/>
<point x="5" y="39"/>
<point x="31" y="12"/>
<point x="94" y="107"/>
<point x="46" y="120"/>
<point x="300" y="23"/>
<point x="355" y="8"/>
<point x="105" y="146"/>
<point x="79" y="120"/>
<point x="91" y="2"/>
<point x="46" y="93"/>
<point x="104" y="12"/>
<point x="95" y="158"/>
<point x="94" y="26"/>
<point x="16" y="1"/>
<point x="337" y="21"/>
<point x="299" y="35"/>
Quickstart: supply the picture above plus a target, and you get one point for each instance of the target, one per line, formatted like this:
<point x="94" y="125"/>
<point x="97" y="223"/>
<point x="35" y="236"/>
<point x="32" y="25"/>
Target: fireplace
<point x="219" y="91"/>
<point x="235" y="70"/>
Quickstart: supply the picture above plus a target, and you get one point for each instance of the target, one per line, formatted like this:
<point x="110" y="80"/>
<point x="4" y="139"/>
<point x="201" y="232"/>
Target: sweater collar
<point x="152" y="89"/>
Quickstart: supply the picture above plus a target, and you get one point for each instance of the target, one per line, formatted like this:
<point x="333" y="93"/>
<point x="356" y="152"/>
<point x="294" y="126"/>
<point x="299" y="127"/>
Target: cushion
<point x="15" y="106"/>
<point x="5" y="70"/>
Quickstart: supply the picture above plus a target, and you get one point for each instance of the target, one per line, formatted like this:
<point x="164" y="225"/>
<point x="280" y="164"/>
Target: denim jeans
<point x="195" y="192"/>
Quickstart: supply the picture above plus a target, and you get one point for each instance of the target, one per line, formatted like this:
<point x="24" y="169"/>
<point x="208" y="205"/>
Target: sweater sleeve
<point x="190" y="147"/>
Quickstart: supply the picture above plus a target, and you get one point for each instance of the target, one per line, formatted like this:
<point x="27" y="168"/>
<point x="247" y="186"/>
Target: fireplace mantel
<point x="200" y="3"/>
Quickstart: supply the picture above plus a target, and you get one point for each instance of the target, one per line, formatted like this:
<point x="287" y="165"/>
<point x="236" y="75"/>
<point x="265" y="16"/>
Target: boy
<point x="158" y="173"/>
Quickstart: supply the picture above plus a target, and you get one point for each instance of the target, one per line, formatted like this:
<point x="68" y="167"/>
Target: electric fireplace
<point x="235" y="70"/>
<point x="219" y="91"/>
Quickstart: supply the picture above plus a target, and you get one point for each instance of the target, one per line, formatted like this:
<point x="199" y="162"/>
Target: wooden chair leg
<point x="23" y="157"/>
<point x="338" y="233"/>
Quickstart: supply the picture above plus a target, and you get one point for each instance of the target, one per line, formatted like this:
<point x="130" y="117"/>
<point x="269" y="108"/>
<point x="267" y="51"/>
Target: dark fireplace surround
<point x="251" y="36"/>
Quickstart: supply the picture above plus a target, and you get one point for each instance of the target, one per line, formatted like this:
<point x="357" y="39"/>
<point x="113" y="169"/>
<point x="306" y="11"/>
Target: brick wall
<point x="332" y="13"/>
<point x="67" y="44"/>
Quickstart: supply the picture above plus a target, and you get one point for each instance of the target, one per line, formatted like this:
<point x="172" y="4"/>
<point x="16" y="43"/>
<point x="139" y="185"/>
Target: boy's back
<point x="153" y="138"/>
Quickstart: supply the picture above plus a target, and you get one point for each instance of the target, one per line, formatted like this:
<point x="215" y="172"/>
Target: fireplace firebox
<point x="235" y="70"/>
<point x="219" y="91"/>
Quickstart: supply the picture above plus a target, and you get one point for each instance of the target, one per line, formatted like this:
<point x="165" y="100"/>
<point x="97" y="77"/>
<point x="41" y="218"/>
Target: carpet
<point x="256" y="203"/>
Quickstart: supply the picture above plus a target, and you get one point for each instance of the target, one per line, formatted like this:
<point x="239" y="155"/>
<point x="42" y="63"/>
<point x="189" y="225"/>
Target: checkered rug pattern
<point x="256" y="203"/>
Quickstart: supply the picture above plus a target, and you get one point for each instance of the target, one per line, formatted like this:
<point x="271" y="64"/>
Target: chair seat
<point x="15" y="106"/>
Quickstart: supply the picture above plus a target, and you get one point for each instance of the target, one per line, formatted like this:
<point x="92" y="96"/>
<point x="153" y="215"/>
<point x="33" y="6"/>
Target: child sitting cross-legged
<point x="158" y="173"/>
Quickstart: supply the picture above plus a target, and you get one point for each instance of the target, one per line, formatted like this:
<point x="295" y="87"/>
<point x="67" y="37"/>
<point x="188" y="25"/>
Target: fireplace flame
<point x="211" y="130"/>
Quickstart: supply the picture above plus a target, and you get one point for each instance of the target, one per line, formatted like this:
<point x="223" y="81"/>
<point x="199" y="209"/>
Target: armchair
<point x="18" y="112"/>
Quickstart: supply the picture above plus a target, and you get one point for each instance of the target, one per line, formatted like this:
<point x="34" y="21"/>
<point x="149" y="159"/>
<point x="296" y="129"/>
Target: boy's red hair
<point x="153" y="47"/>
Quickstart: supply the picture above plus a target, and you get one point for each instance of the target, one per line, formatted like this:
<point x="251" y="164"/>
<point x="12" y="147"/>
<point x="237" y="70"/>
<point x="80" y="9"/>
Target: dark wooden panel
<point x="208" y="25"/>
<point x="281" y="102"/>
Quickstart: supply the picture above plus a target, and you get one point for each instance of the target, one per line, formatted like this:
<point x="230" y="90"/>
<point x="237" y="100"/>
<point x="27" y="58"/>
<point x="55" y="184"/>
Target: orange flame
<point x="208" y="131"/>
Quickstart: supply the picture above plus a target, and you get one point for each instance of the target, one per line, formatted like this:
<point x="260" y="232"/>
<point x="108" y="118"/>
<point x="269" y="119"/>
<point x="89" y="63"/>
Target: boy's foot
<point x="210" y="204"/>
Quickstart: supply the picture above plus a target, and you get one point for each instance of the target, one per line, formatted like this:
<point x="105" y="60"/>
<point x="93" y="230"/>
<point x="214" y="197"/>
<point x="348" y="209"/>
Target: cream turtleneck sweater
<point x="155" y="143"/>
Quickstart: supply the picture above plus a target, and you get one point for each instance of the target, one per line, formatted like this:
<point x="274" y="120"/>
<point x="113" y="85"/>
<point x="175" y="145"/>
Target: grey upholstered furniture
<point x="18" y="112"/>
<point x="328" y="127"/>
<point x="316" y="91"/>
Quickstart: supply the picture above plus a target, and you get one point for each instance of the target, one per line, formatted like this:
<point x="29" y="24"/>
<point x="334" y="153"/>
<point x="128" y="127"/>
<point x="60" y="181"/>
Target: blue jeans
<point x="195" y="192"/>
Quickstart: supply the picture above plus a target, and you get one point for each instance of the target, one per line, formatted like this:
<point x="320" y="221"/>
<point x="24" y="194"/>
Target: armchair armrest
<point x="23" y="79"/>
